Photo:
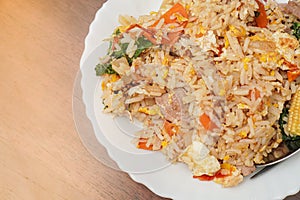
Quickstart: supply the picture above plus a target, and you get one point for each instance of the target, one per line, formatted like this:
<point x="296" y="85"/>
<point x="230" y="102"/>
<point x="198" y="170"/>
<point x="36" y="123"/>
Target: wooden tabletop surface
<point x="41" y="154"/>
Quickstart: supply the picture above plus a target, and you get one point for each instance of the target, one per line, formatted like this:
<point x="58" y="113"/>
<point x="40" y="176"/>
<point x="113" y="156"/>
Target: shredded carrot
<point x="132" y="26"/>
<point x="150" y="32"/>
<point x="170" y="128"/>
<point x="256" y="93"/>
<point x="198" y="35"/>
<point x="261" y="19"/>
<point x="206" y="122"/>
<point x="290" y="65"/>
<point x="177" y="8"/>
<point x="147" y="30"/>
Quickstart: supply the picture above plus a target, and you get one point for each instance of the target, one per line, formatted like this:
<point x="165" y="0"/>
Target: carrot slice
<point x="142" y="145"/>
<point x="293" y="75"/>
<point x="177" y="8"/>
<point x="293" y="72"/>
<point x="170" y="128"/>
<point x="206" y="122"/>
<point x="261" y="20"/>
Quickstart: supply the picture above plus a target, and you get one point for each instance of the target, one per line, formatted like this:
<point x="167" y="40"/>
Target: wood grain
<point x="41" y="155"/>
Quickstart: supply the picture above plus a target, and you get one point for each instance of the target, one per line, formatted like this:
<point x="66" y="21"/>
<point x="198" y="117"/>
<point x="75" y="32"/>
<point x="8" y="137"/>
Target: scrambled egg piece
<point x="286" y="45"/>
<point x="237" y="31"/>
<point x="243" y="106"/>
<point x="246" y="60"/>
<point x="229" y="181"/>
<point x="197" y="157"/>
<point x="208" y="41"/>
<point x="153" y="110"/>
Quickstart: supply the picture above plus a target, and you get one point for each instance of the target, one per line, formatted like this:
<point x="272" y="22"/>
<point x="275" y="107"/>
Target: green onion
<point x="296" y="30"/>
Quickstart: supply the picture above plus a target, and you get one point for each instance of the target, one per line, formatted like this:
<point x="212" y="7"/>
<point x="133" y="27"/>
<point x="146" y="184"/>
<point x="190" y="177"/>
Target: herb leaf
<point x="117" y="32"/>
<point x="122" y="52"/>
<point x="105" y="68"/>
<point x="296" y="30"/>
<point x="142" y="44"/>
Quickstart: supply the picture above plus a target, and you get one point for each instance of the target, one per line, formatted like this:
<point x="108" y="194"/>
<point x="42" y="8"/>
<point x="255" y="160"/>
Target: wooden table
<point x="41" y="155"/>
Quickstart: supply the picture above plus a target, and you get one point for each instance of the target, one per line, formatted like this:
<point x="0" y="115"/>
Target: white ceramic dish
<point x="150" y="169"/>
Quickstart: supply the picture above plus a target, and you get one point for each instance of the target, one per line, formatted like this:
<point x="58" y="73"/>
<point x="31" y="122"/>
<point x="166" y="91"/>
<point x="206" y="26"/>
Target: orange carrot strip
<point x="177" y="8"/>
<point x="206" y="122"/>
<point x="290" y="65"/>
<point x="256" y="94"/>
<point x="261" y="20"/>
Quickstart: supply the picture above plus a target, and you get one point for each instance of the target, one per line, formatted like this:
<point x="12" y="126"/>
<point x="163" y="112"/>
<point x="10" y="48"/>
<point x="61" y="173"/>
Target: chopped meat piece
<point x="246" y="170"/>
<point x="292" y="7"/>
<point x="171" y="104"/>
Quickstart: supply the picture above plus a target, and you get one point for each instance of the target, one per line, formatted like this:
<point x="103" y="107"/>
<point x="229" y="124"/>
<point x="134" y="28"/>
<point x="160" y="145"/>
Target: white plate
<point x="173" y="181"/>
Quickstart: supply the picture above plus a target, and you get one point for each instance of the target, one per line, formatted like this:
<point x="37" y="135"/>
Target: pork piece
<point x="292" y="7"/>
<point x="171" y="104"/>
<point x="246" y="170"/>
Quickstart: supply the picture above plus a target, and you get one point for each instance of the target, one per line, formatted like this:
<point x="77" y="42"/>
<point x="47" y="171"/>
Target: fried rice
<point x="207" y="78"/>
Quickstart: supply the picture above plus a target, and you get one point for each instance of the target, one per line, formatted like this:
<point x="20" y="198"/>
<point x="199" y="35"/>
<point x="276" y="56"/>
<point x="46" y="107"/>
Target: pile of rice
<point x="218" y="67"/>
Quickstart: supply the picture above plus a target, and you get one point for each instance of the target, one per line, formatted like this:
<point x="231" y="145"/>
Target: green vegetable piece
<point x="292" y="142"/>
<point x="122" y="52"/>
<point x="142" y="44"/>
<point x="117" y="32"/>
<point x="296" y="30"/>
<point x="105" y="68"/>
